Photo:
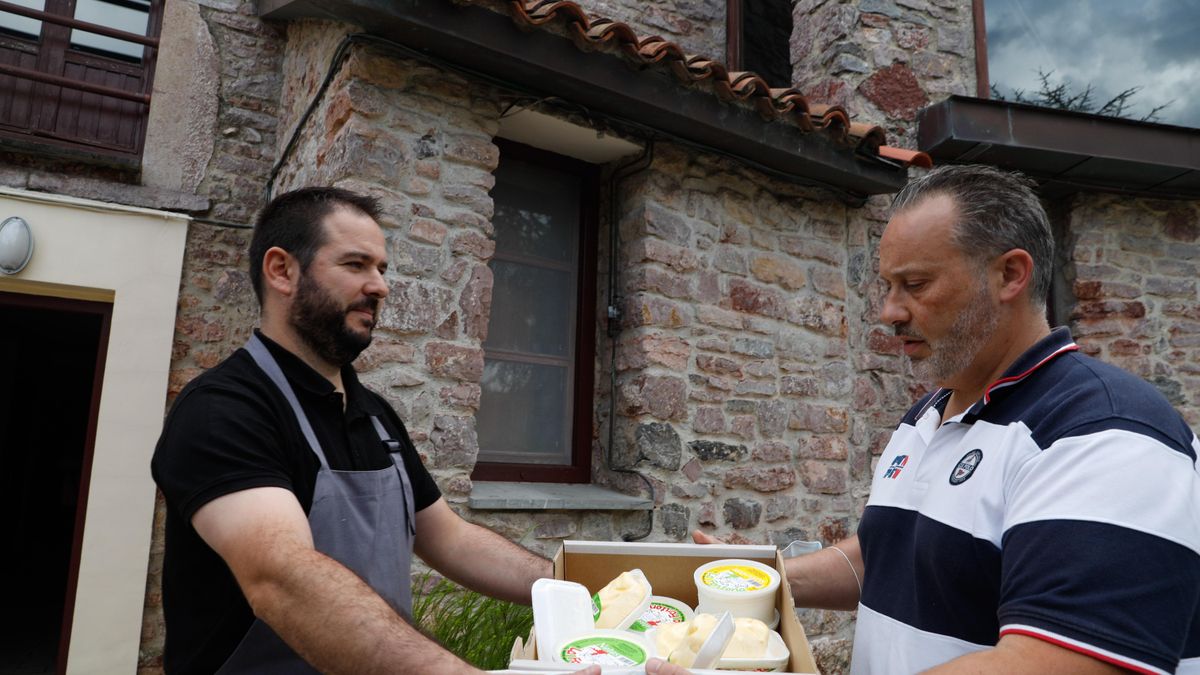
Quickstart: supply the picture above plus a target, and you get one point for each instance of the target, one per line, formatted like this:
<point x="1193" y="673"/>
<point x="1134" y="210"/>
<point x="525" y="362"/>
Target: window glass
<point x="536" y="301"/>
<point x="527" y="401"/>
<point x="537" y="212"/>
<point x="131" y="16"/>
<point x="22" y="26"/>
<point x="525" y="413"/>
<point x="1112" y="46"/>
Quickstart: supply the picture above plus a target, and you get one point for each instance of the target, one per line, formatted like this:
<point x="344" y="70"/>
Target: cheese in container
<point x="743" y="588"/>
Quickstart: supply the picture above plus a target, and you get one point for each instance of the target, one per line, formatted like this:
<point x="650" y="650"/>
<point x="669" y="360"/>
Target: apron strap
<point x="394" y="449"/>
<point x="268" y="364"/>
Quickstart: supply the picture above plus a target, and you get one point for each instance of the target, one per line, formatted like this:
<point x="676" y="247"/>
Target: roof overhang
<point x="1065" y="151"/>
<point x="547" y="64"/>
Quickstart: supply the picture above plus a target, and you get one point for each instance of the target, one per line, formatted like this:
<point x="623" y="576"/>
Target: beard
<point x="952" y="354"/>
<point x="321" y="323"/>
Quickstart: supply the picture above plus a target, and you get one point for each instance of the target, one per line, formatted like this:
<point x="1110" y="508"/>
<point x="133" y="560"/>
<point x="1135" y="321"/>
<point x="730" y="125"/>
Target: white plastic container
<point x="662" y="610"/>
<point x="608" y="648"/>
<point x="740" y="587"/>
<point x="561" y="610"/>
<point x="774" y="661"/>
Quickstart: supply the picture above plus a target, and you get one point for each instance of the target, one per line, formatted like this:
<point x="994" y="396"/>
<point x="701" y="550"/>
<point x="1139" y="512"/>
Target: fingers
<point x="702" y="538"/>
<point x="660" y="667"/>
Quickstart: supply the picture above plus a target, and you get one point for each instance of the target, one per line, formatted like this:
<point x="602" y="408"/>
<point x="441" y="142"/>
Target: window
<point x="1096" y="52"/>
<point x="76" y="75"/>
<point x="758" y="36"/>
<point x="535" y="414"/>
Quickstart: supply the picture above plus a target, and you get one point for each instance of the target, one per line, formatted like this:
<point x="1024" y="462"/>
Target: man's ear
<point x="280" y="271"/>
<point x="1016" y="270"/>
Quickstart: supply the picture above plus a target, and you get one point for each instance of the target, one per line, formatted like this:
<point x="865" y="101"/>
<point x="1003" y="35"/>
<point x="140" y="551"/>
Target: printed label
<point x="604" y="651"/>
<point x="658" y="613"/>
<point x="736" y="578"/>
<point x="595" y="607"/>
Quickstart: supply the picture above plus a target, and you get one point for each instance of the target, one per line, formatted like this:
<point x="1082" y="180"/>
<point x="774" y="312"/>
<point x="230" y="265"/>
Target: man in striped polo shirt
<point x="1039" y="511"/>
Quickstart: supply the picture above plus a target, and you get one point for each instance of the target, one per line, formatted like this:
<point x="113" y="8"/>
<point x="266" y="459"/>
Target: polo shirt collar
<point x="302" y="375"/>
<point x="1057" y="343"/>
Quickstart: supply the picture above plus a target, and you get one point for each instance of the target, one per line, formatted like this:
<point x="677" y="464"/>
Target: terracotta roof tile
<point x="591" y="33"/>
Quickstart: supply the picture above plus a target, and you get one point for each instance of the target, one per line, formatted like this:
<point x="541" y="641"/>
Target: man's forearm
<point x="338" y="624"/>
<point x="496" y="566"/>
<point x="825" y="579"/>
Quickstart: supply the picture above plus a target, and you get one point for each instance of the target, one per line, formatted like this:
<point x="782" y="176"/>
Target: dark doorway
<point x="51" y="365"/>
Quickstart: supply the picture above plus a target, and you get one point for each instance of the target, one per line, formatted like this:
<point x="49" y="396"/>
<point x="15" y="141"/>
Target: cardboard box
<point x="669" y="568"/>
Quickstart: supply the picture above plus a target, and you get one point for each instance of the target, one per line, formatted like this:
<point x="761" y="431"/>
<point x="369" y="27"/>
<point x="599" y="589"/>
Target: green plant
<point x="1064" y="96"/>
<point x="479" y="629"/>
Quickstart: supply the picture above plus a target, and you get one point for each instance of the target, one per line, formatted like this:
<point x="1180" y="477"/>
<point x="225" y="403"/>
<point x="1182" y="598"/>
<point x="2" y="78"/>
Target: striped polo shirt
<point x="1064" y="505"/>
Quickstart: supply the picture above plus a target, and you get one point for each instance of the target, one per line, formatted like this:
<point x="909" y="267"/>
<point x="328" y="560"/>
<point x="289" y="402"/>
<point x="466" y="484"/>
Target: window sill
<point x="505" y="496"/>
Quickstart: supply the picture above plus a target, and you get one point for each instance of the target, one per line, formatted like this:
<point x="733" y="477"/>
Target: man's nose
<point x="893" y="312"/>
<point x="377" y="285"/>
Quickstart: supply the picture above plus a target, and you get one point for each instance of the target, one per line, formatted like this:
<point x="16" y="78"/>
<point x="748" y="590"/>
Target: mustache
<point x="366" y="303"/>
<point x="906" y="331"/>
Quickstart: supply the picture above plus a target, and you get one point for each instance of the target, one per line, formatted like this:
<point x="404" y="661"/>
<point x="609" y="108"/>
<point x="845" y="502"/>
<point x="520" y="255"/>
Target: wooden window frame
<point x="579" y="471"/>
<point x="51" y="87"/>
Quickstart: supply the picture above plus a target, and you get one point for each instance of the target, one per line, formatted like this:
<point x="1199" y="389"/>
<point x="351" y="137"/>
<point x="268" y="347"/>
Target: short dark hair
<point x="293" y="222"/>
<point x="997" y="212"/>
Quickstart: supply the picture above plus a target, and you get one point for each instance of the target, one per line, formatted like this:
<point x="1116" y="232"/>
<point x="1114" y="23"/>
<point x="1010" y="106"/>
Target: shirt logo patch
<point x="966" y="467"/>
<point x="898" y="463"/>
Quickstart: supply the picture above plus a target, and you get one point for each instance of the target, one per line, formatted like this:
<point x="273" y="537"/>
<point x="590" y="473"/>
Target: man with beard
<point x="294" y="495"/>
<point x="1038" y="511"/>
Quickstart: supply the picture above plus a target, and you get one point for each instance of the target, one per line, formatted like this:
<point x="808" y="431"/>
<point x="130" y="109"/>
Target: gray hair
<point x="997" y="212"/>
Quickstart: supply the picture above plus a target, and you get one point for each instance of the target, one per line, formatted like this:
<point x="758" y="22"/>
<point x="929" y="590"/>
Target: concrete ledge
<point x="501" y="496"/>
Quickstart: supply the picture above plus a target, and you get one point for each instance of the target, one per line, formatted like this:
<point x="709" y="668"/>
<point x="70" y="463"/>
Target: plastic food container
<point x="618" y="648"/>
<point x="774" y="661"/>
<point x="740" y="587"/>
<point x="662" y="610"/>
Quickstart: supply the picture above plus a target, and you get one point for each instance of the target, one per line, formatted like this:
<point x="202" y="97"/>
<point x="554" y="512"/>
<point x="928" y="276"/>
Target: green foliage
<point x="1064" y="97"/>
<point x="478" y="629"/>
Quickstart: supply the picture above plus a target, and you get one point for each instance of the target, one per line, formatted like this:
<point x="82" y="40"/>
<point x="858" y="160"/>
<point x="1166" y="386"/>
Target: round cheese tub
<point x="605" y="647"/>
<point x="740" y="587"/>
<point x="662" y="610"/>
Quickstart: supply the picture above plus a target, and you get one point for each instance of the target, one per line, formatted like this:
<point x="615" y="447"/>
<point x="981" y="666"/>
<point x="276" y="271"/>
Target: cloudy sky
<point x="1110" y="44"/>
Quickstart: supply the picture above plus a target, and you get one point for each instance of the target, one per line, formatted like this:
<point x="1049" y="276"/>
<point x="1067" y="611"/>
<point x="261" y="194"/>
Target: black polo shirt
<point x="230" y="430"/>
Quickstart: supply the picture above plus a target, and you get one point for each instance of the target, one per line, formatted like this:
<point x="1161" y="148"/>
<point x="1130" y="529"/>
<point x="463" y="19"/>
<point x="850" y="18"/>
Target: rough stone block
<point x="708" y="420"/>
<point x="454" y="361"/>
<point x="708" y="451"/>
<point x="455" y="443"/>
<point x="415" y="307"/>
<point x="661" y="396"/>
<point x="658" y="443"/>
<point x="761" y="479"/>
<point x="676" y="521"/>
<point x="823" y="477"/>
<point x="742" y="514"/>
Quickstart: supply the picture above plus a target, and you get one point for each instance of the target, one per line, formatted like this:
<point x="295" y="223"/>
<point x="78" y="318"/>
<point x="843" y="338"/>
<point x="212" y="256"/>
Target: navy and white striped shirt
<point x="1065" y="505"/>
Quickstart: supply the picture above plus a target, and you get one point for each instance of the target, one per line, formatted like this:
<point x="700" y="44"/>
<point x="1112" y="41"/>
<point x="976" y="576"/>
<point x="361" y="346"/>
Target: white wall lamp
<point x="16" y="245"/>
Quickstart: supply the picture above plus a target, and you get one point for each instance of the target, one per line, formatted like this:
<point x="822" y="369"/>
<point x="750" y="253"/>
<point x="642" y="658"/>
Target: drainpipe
<point x="623" y="172"/>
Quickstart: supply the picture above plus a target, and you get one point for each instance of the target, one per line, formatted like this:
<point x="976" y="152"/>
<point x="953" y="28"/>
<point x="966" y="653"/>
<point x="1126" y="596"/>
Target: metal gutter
<point x="1065" y="151"/>
<point x="544" y="63"/>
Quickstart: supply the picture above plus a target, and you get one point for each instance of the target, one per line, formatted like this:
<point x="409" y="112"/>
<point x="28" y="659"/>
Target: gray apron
<point x="362" y="519"/>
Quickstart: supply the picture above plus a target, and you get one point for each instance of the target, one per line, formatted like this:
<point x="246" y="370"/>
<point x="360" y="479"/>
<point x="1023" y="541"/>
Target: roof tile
<point x="591" y="33"/>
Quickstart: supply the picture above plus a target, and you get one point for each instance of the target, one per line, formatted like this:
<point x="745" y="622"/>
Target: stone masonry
<point x="1135" y="266"/>
<point x="883" y="59"/>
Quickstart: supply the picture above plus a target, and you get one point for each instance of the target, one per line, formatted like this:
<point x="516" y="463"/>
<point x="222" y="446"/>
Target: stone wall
<point x="1135" y="274"/>
<point x="698" y="26"/>
<point x="883" y="59"/>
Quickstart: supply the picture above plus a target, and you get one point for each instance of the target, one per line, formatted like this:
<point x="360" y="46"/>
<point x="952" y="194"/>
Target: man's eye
<point x="914" y="285"/>
<point x="354" y="264"/>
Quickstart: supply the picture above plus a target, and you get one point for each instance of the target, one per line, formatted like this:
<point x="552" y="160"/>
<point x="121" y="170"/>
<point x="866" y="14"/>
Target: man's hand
<point x="702" y="538"/>
<point x="661" y="667"/>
